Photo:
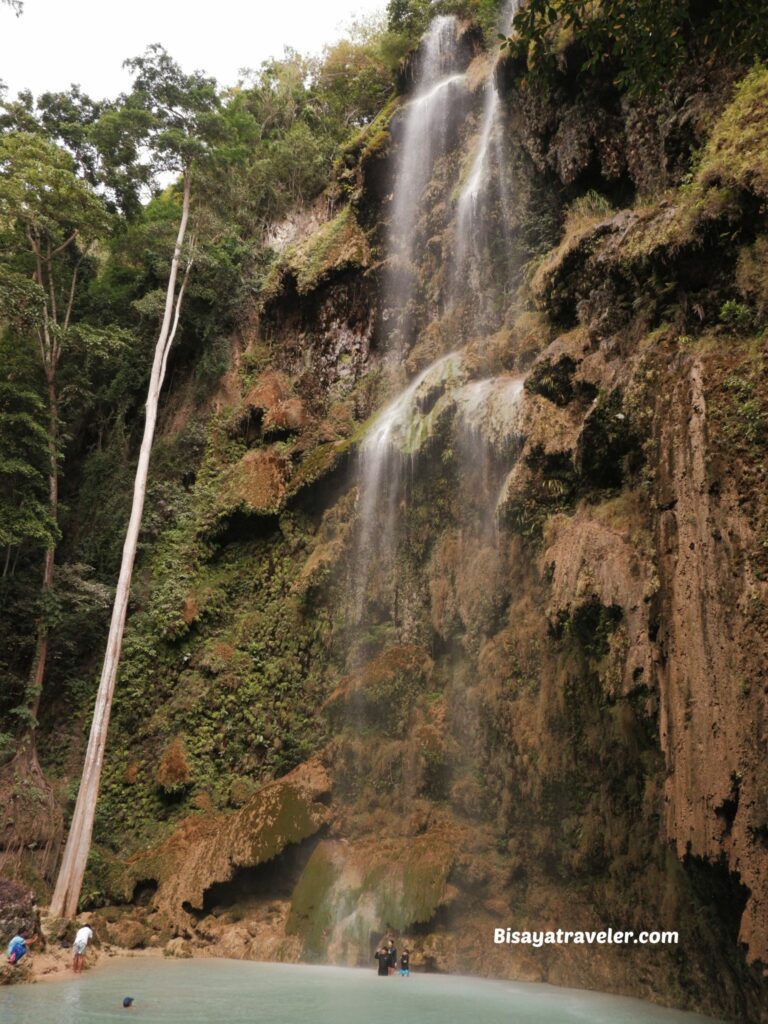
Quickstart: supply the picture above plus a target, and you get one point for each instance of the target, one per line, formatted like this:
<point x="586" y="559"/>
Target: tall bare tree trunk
<point x="70" y="879"/>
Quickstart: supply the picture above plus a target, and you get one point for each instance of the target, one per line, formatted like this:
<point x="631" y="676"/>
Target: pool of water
<point x="237" y="992"/>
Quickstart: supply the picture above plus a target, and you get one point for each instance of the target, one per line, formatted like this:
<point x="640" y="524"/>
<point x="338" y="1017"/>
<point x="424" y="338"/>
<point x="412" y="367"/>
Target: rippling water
<point x="237" y="992"/>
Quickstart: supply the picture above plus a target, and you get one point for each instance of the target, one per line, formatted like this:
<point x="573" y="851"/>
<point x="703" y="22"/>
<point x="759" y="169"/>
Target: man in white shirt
<point x="83" y="937"/>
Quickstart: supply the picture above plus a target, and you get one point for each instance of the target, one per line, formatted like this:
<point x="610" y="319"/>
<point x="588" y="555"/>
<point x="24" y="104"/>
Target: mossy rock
<point x="539" y="485"/>
<point x="609" y="447"/>
<point x="208" y="849"/>
<point x="16" y="974"/>
<point x="346" y="893"/>
<point x="553" y="380"/>
<point x="315" y="464"/>
<point x="256" y="485"/>
<point x="337" y="245"/>
<point x="736" y="154"/>
<point x="590" y="625"/>
<point x="312" y="903"/>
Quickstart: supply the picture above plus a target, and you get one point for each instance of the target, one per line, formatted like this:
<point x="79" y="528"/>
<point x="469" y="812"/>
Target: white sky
<point x="57" y="42"/>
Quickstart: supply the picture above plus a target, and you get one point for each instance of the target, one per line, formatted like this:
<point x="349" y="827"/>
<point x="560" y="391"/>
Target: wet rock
<point x="384" y="690"/>
<point x="208" y="849"/>
<point x="350" y="891"/>
<point x="129" y="933"/>
<point x="178" y="949"/>
<point x="16" y="974"/>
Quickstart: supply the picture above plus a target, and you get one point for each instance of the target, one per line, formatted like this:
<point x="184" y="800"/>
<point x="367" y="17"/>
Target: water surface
<point x="238" y="992"/>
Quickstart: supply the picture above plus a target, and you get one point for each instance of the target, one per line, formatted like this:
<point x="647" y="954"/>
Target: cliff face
<point x="524" y="683"/>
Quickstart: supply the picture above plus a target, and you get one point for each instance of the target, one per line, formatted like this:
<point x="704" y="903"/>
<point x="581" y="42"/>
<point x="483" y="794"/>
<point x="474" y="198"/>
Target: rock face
<point x="204" y="852"/>
<point x="18" y="910"/>
<point x="526" y="684"/>
<point x="710" y="589"/>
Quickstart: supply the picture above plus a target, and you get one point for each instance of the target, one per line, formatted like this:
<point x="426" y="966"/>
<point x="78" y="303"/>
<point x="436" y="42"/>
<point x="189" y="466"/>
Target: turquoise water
<point x="237" y="992"/>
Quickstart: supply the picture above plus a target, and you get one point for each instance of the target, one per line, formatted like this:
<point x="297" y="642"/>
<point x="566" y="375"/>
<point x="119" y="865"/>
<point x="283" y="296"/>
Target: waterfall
<point x="423" y="135"/>
<point x="472" y="235"/>
<point x="394" y="436"/>
<point x="479" y="412"/>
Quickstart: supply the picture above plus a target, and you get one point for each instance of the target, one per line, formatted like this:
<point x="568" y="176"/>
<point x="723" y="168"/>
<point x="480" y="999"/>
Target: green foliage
<point x="24" y="457"/>
<point x="287" y="121"/>
<point x="609" y="448"/>
<point x="170" y="116"/>
<point x="409" y="16"/>
<point x="553" y="381"/>
<point x="737" y="317"/>
<point x="751" y="421"/>
<point x="641" y="43"/>
<point x="591" y="625"/>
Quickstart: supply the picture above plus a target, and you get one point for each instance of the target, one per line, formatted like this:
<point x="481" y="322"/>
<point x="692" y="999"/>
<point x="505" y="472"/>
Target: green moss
<point x="315" y="464"/>
<point x="335" y="246"/>
<point x="553" y="381"/>
<point x="408" y="893"/>
<point x="737" y="151"/>
<point x="217" y="655"/>
<point x="372" y="141"/>
<point x="708" y="212"/>
<point x="312" y="904"/>
<point x="291" y="820"/>
<point x="609" y="448"/>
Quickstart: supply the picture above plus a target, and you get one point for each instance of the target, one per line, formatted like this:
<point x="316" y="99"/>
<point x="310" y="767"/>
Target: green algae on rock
<point x="206" y="850"/>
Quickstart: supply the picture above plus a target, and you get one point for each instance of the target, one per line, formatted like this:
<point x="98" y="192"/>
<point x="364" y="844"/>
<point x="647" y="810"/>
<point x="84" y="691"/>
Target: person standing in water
<point x="405" y="963"/>
<point x="392" y="956"/>
<point x="83" y="937"/>
<point x="382" y="955"/>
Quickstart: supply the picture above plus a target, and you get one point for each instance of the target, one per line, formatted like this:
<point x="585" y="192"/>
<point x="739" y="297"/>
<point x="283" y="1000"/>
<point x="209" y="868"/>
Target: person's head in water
<point x="127" y="1002"/>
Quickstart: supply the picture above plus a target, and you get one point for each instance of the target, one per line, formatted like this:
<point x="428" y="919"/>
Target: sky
<point x="57" y="42"/>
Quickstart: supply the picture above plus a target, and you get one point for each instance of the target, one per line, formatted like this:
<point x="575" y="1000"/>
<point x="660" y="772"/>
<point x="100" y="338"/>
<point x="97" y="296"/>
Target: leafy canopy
<point x="642" y="42"/>
<point x="168" y="121"/>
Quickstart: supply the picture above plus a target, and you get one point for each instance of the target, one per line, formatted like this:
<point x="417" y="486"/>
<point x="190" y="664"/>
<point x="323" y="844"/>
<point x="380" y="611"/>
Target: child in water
<point x="405" y="963"/>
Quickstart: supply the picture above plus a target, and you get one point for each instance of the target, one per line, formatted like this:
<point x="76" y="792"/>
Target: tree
<point x="175" y="118"/>
<point x="642" y="42"/>
<point x="49" y="221"/>
<point x="24" y="511"/>
<point x="69" y="119"/>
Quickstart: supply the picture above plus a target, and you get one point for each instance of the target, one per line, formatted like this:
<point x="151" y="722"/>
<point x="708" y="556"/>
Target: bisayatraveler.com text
<point x="560" y="937"/>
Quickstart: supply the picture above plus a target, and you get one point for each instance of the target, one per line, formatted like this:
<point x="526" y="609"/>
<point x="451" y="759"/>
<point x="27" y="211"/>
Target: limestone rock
<point x="204" y="850"/>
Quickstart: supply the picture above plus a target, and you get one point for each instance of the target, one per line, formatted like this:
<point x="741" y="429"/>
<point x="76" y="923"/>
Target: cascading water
<point x="429" y="125"/>
<point x="424" y="133"/>
<point x="472" y="238"/>
<point x="396" y="434"/>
